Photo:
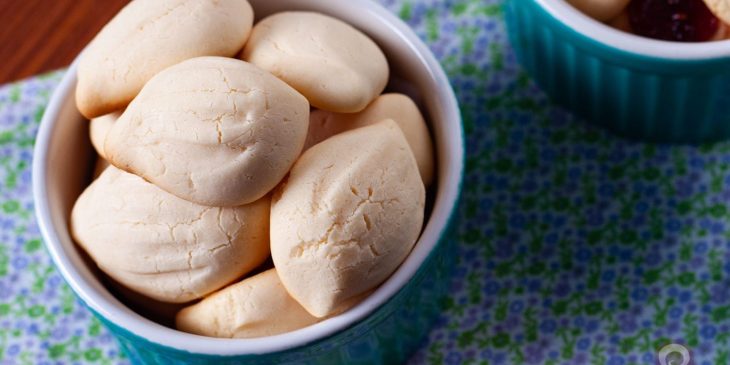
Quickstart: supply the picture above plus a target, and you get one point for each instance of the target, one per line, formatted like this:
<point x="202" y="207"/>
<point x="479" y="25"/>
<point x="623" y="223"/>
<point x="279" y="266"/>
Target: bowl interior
<point x="587" y="26"/>
<point x="64" y="156"/>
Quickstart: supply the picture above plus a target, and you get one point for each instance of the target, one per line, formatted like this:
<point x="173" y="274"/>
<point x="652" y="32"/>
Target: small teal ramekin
<point x="642" y="88"/>
<point x="385" y="328"/>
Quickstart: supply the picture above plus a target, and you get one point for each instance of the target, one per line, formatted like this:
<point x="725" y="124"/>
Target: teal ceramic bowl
<point x="385" y="328"/>
<point x="638" y="87"/>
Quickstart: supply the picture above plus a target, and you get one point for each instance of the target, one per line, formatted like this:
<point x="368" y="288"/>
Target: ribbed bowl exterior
<point x="647" y="98"/>
<point x="388" y="336"/>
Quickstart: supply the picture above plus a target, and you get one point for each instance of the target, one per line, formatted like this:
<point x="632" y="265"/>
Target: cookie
<point x="255" y="307"/>
<point x="348" y="215"/>
<point x="211" y="130"/>
<point x="337" y="67"/>
<point x="148" y="36"/>
<point x="398" y="107"/>
<point x="164" y="247"/>
<point x="99" y="128"/>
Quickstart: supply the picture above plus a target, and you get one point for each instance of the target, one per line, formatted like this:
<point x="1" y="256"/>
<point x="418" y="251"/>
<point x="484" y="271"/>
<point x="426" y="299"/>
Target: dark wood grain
<point x="42" y="35"/>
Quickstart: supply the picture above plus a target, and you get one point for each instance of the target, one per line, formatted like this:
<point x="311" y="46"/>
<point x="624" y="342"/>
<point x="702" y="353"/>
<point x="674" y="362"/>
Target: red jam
<point x="673" y="20"/>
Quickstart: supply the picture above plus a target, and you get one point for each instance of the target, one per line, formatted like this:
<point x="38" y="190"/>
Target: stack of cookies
<point x="222" y="143"/>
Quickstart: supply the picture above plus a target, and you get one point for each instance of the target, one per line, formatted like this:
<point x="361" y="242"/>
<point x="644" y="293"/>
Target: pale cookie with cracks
<point x="99" y="128"/>
<point x="721" y="9"/>
<point x="255" y="307"/>
<point x="601" y="10"/>
<point x="164" y="247"/>
<point x="214" y="131"/>
<point x="148" y="36"/>
<point x="347" y="216"/>
<point x="337" y="67"/>
<point x="398" y="107"/>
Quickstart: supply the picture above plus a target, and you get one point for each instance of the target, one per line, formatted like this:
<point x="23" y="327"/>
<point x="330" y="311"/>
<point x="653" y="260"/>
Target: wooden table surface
<point x="42" y="35"/>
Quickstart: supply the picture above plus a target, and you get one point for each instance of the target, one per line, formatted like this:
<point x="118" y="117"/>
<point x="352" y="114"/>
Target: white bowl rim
<point x="434" y="232"/>
<point x="602" y="33"/>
